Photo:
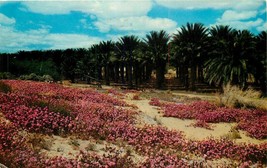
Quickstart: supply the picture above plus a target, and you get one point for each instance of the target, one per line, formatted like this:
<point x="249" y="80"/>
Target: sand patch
<point x="70" y="148"/>
<point x="152" y="115"/>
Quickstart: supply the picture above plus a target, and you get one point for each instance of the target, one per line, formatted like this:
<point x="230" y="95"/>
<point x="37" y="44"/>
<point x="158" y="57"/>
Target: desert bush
<point x="136" y="96"/>
<point x="47" y="78"/>
<point x="34" y="77"/>
<point x="6" y="75"/>
<point x="5" y="88"/>
<point x="31" y="76"/>
<point x="66" y="83"/>
<point x="235" y="97"/>
<point x="38" y="142"/>
<point x="233" y="134"/>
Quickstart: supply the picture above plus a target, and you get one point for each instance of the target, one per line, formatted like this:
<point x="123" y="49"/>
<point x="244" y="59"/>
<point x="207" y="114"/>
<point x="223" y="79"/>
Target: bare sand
<point x="70" y="147"/>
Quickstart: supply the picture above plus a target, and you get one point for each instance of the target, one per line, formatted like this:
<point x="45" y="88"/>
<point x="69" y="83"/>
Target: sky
<point x="45" y="25"/>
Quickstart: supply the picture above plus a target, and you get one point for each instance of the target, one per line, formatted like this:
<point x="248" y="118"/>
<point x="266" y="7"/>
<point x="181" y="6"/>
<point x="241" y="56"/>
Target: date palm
<point x="157" y="46"/>
<point x="192" y="41"/>
<point x="127" y="48"/>
<point x="106" y="50"/>
<point x="260" y="61"/>
<point x="94" y="50"/>
<point x="230" y="56"/>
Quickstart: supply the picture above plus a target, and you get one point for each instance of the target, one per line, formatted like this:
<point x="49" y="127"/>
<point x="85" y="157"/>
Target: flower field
<point x="254" y="122"/>
<point x="54" y="110"/>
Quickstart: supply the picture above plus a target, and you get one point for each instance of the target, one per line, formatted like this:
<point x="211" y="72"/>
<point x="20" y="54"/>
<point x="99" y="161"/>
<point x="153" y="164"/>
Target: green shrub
<point x="6" y="75"/>
<point x="5" y="88"/>
<point x="32" y="76"/>
<point x="35" y="77"/>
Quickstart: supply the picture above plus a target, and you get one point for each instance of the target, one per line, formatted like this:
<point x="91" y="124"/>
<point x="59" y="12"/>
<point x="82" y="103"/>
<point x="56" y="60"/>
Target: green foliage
<point x="39" y="68"/>
<point x="34" y="77"/>
<point x="231" y="54"/>
<point x="5" y="88"/>
<point x="191" y="45"/>
<point x="6" y="75"/>
<point x="157" y="46"/>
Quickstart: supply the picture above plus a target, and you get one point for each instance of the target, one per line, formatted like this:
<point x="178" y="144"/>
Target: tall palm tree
<point x="179" y="60"/>
<point x="157" y="45"/>
<point x="192" y="42"/>
<point x="127" y="47"/>
<point x="230" y="56"/>
<point x="69" y="63"/>
<point x="106" y="49"/>
<point x="97" y="60"/>
<point x="260" y="61"/>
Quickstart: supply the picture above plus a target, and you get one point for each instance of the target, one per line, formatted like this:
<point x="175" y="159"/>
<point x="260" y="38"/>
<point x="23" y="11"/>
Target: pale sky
<point x="42" y="25"/>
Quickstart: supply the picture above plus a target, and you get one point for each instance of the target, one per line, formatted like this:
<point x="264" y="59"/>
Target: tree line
<point x="216" y="55"/>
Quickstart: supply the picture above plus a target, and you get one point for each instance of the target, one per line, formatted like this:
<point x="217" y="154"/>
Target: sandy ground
<point x="152" y="115"/>
<point x="70" y="147"/>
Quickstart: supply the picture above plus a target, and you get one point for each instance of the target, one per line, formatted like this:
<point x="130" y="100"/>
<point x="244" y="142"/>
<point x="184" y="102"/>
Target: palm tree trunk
<point x="160" y="71"/>
<point x="193" y="78"/>
<point x="99" y="73"/>
<point x="116" y="71"/>
<point x="111" y="72"/>
<point x="137" y="73"/>
<point x="107" y="74"/>
<point x="181" y="73"/>
<point x="130" y="75"/>
<point x="122" y="72"/>
<point x="148" y="71"/>
<point x="177" y="71"/>
<point x="185" y="77"/>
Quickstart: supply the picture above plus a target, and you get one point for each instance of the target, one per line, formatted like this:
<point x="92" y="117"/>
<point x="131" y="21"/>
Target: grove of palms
<point x="215" y="56"/>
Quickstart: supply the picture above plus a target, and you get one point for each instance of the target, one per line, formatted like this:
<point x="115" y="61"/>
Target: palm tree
<point x="127" y="47"/>
<point x="179" y="60"/>
<point x="97" y="60"/>
<point x="230" y="56"/>
<point x="192" y="41"/>
<point x="260" y="61"/>
<point x="86" y="65"/>
<point x="106" y="49"/>
<point x="157" y="45"/>
<point x="69" y="63"/>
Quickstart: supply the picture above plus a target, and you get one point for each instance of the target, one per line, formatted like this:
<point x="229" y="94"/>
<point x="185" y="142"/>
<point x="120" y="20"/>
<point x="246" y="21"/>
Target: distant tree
<point x="69" y="63"/>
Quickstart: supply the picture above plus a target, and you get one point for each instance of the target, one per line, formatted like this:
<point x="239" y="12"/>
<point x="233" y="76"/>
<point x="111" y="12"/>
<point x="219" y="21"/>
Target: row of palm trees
<point x="215" y="55"/>
<point x="137" y="57"/>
